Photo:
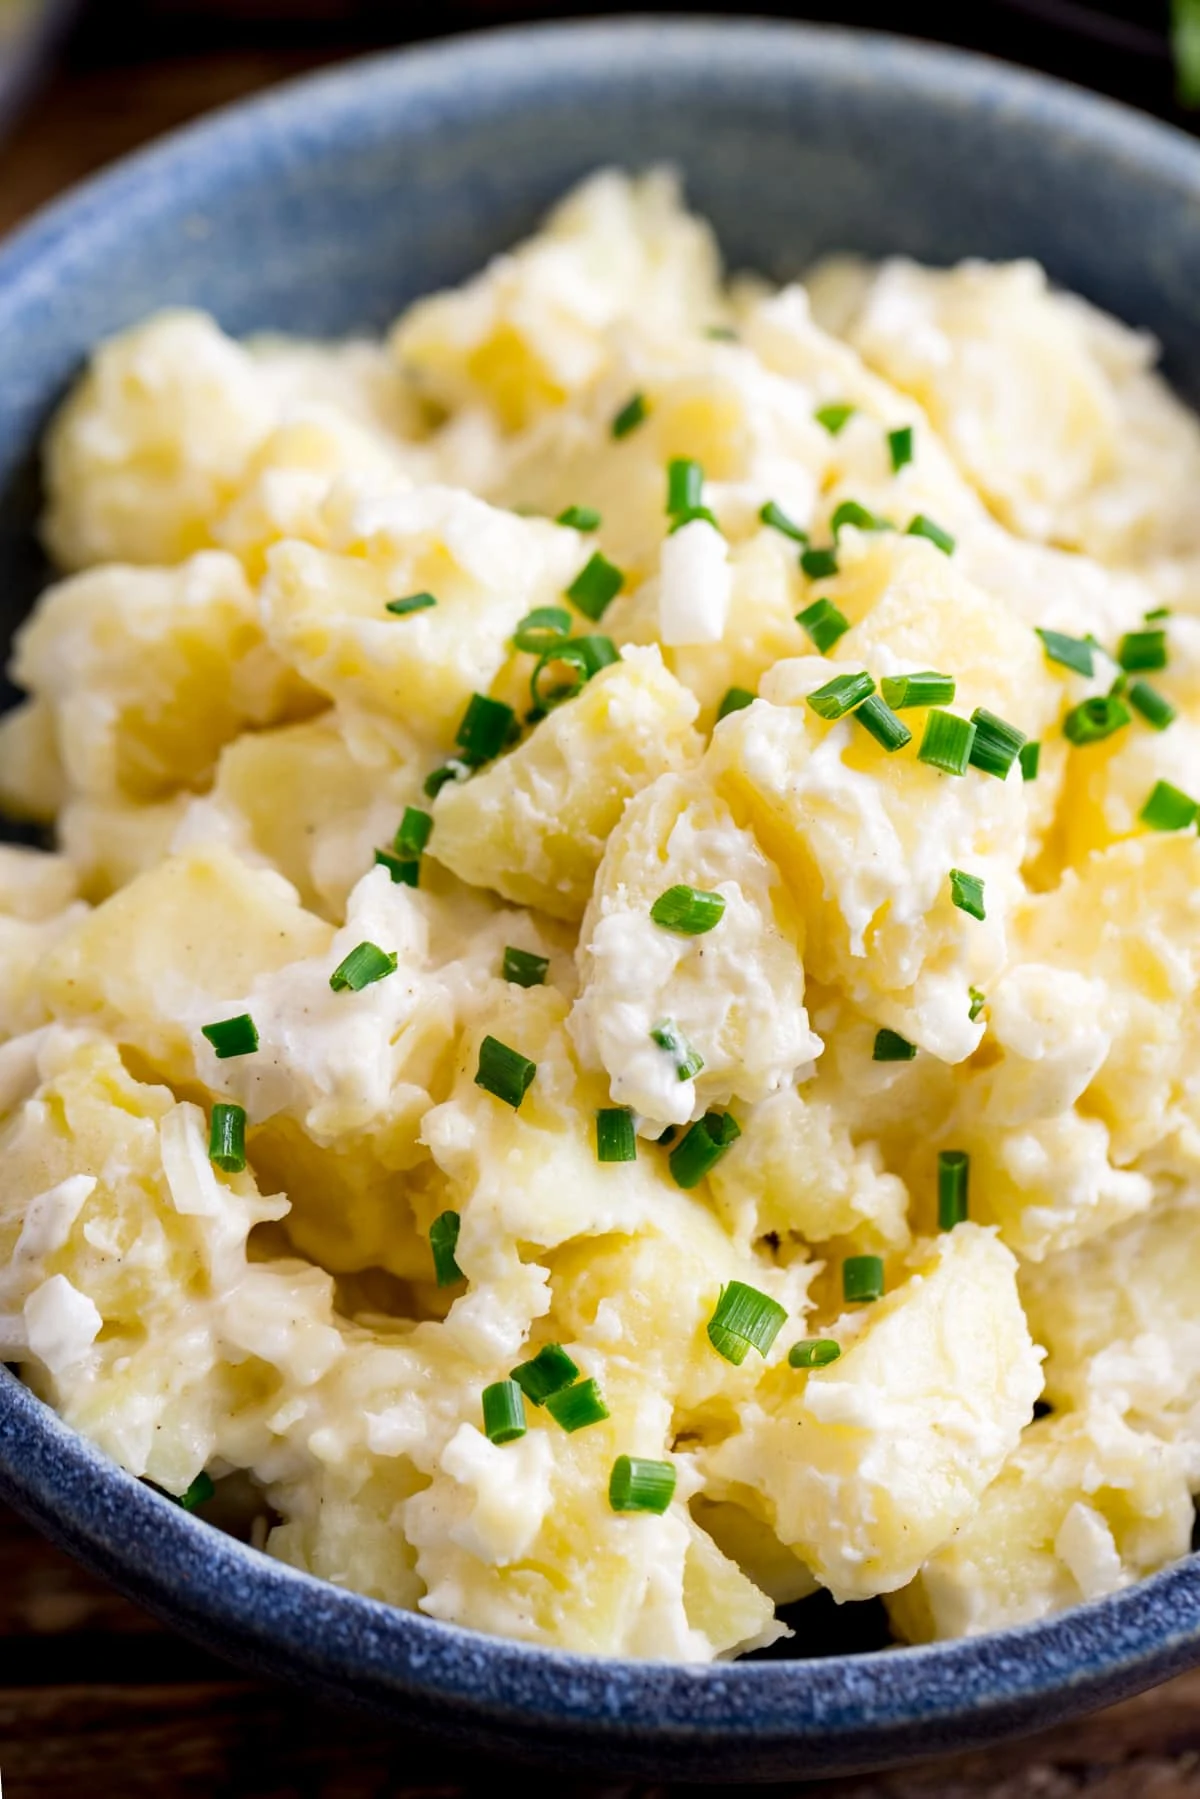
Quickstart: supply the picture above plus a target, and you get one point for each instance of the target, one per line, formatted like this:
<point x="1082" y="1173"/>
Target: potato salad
<point x="610" y="1032"/>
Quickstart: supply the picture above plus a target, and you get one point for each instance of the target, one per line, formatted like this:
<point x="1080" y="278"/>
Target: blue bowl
<point x="324" y="208"/>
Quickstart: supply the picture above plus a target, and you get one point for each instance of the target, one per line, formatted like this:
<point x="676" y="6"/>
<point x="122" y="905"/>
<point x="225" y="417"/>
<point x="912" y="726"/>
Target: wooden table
<point x="95" y="1697"/>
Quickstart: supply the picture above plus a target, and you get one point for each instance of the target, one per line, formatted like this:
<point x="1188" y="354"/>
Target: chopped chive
<point x="1147" y="700"/>
<point x="777" y="518"/>
<point x="688" y="1061"/>
<point x="523" y="968"/>
<point x="596" y="586"/>
<point x="1072" y="652"/>
<point x="503" y="1411"/>
<point x="1142" y="651"/>
<point x="834" y="417"/>
<point x="824" y="623"/>
<point x="232" y="1036"/>
<point x="631" y="415"/>
<point x="503" y="1072"/>
<point x="978" y="1002"/>
<point x="926" y="688"/>
<point x="685" y="484"/>
<point x="849" y="512"/>
<point x="688" y="910"/>
<point x="639" y="1485"/>
<point x="883" y="724"/>
<point x="579" y="518"/>
<point x="1029" y="755"/>
<point x="967" y="893"/>
<point x="547" y="1372"/>
<point x="484" y="730"/>
<point x="541" y="629"/>
<point x="227" y="1138"/>
<point x="890" y="1046"/>
<point x="615" y="1138"/>
<point x="438" y="778"/>
<point x="403" y="870"/>
<point x="997" y="743"/>
<point x="669" y="1135"/>
<point x="365" y="965"/>
<point x="816" y="1352"/>
<point x="443" y="1242"/>
<point x="953" y="1180"/>
<point x="818" y="565"/>
<point x="1168" y="808"/>
<point x="702" y="1148"/>
<point x="923" y="526"/>
<point x="947" y="742"/>
<point x="1120" y="684"/>
<point x="840" y="695"/>
<point x="723" y="334"/>
<point x="199" y="1493"/>
<point x="574" y="1408"/>
<point x="1094" y="720"/>
<point x="414" y="832"/>
<point x="862" y="1278"/>
<point x="736" y="700"/>
<point x="689" y="517"/>
<point x="1157" y="612"/>
<point x="744" y="1319"/>
<point x="583" y="657"/>
<point x="900" y="447"/>
<point x="416" y="602"/>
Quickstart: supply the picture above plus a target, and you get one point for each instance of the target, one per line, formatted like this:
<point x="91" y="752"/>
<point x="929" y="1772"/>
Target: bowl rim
<point x="848" y="1711"/>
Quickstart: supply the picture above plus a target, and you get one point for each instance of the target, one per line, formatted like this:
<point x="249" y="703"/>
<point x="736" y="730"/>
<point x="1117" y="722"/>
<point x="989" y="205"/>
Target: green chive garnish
<point x="365" y="965"/>
<point x="883" y="724"/>
<point x="485" y="729"/>
<point x="583" y="657"/>
<point x="688" y="1061"/>
<point x="824" y="624"/>
<point x="685" y="484"/>
<point x="414" y="832"/>
<point x="615" y="1138"/>
<point x="403" y="870"/>
<point x="232" y="1036"/>
<point x="967" y="893"/>
<point x="1029" y="755"/>
<point x="745" y="1319"/>
<point x="841" y="695"/>
<point x="978" y="1002"/>
<point x="997" y="743"/>
<point x="631" y="415"/>
<point x="596" y="586"/>
<point x="777" y="518"/>
<point x="579" y="518"/>
<point x="890" y="1046"/>
<point x="1168" y="808"/>
<point x="702" y="1148"/>
<point x="818" y="565"/>
<point x="541" y="629"/>
<point x="199" y="1493"/>
<point x="638" y="1485"/>
<point x="849" y="512"/>
<point x="953" y="1179"/>
<point x="1072" y="652"/>
<point x="1157" y="612"/>
<point x="1147" y="700"/>
<point x="900" y="447"/>
<point x="736" y="700"/>
<point x="523" y="968"/>
<point x="816" y="1352"/>
<point x="927" y="688"/>
<point x="947" y="742"/>
<point x="723" y="334"/>
<point x="862" y="1278"/>
<point x="443" y="1242"/>
<point x="688" y="910"/>
<point x="834" y="417"/>
<point x="416" y="602"/>
<point x="503" y="1072"/>
<point x="923" y="526"/>
<point x="689" y="515"/>
<point x="1094" y="720"/>
<point x="574" y="1408"/>
<point x="1142" y="651"/>
<point x="548" y="1372"/>
<point x="440" y="777"/>
<point x="503" y="1411"/>
<point x="227" y="1138"/>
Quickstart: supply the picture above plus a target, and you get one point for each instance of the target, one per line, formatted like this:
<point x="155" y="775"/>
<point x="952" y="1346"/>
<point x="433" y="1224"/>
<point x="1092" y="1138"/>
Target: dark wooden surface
<point x="95" y="1698"/>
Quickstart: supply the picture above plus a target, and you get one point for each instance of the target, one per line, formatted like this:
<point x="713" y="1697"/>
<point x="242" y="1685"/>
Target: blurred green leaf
<point x="1185" y="42"/>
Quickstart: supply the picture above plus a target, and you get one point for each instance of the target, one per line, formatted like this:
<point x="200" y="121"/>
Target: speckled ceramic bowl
<point x="326" y="207"/>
